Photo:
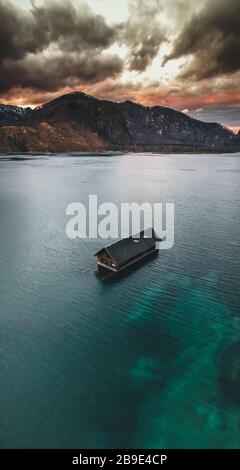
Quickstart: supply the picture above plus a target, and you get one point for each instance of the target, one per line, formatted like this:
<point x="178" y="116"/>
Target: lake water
<point x="152" y="360"/>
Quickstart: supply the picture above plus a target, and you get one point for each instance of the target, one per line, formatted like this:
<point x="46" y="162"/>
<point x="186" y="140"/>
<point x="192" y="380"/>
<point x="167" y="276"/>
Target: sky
<point x="184" y="54"/>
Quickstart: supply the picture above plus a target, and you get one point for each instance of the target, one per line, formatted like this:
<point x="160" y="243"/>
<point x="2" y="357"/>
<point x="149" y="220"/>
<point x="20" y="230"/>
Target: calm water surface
<point x="152" y="360"/>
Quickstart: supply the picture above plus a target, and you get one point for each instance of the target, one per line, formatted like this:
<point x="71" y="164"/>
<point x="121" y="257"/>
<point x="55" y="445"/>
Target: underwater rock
<point x="229" y="378"/>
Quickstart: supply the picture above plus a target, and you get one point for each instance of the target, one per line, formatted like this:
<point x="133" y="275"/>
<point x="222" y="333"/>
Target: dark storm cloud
<point x="60" y="45"/>
<point x="71" y="27"/>
<point x="57" y="44"/>
<point x="54" y="45"/>
<point x="212" y="37"/>
<point x="57" y="70"/>
<point x="142" y="33"/>
<point x="19" y="33"/>
<point x="54" y="22"/>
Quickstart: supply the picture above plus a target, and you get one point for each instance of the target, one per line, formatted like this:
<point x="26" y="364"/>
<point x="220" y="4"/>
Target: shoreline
<point x="119" y="152"/>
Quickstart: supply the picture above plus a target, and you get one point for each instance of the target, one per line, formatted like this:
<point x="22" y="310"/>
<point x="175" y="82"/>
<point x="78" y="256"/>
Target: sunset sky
<point x="184" y="54"/>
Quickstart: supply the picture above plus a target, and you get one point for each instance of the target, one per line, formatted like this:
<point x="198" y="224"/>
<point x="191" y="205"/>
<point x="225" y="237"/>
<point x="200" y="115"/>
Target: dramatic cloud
<point x="143" y="33"/>
<point x="212" y="37"/>
<point x="19" y="34"/>
<point x="73" y="29"/>
<point x="54" y="45"/>
<point x="57" y="70"/>
<point x="116" y="51"/>
<point x="54" y="22"/>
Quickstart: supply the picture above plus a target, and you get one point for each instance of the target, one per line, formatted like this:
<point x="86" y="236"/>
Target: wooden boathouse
<point x="127" y="252"/>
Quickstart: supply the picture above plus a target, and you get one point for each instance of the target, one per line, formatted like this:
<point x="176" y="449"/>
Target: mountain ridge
<point x="80" y="122"/>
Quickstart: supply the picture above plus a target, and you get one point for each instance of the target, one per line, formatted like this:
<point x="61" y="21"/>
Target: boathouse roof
<point x="129" y="248"/>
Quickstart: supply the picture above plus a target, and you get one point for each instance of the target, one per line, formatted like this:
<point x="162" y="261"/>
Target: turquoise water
<point x="152" y="360"/>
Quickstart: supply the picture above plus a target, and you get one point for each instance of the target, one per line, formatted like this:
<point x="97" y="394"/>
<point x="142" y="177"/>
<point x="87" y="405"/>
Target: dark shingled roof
<point x="128" y="248"/>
